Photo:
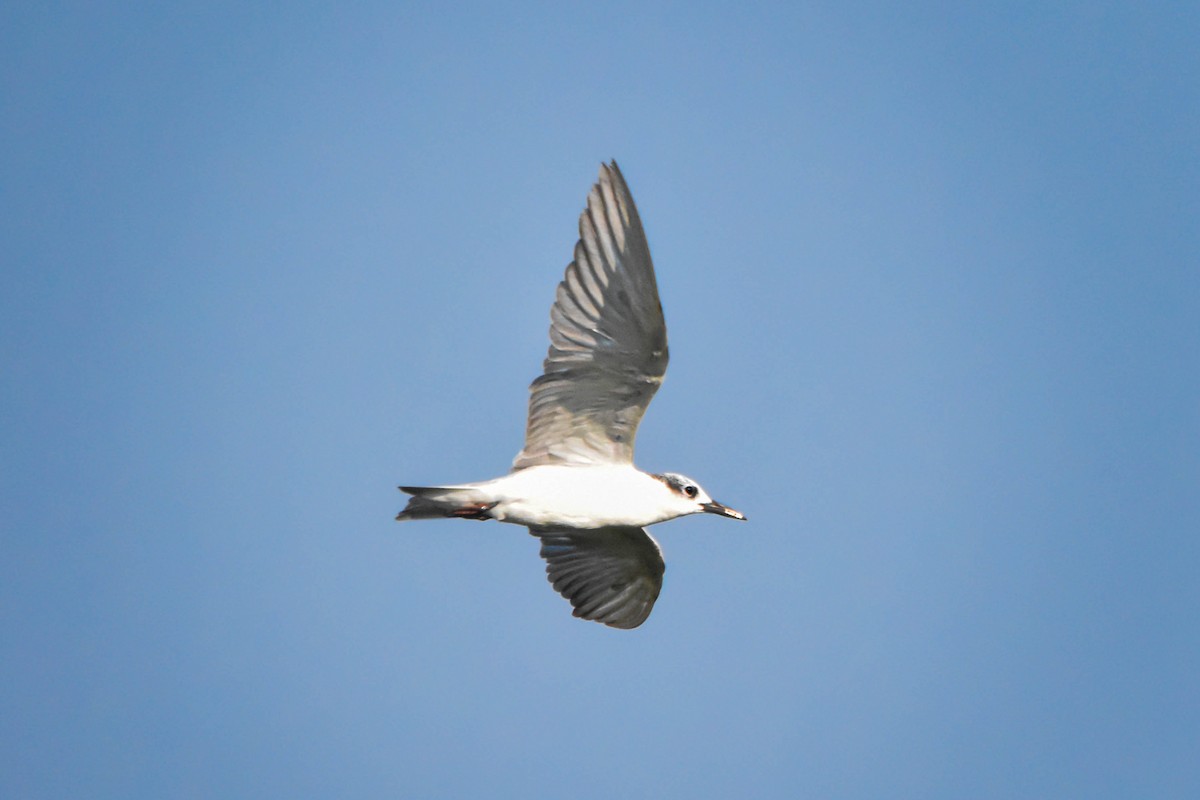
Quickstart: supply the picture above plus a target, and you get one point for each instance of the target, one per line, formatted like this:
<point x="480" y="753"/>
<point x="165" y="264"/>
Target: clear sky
<point x="932" y="280"/>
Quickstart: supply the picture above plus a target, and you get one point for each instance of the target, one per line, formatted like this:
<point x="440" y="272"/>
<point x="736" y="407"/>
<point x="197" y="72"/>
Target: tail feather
<point x="434" y="502"/>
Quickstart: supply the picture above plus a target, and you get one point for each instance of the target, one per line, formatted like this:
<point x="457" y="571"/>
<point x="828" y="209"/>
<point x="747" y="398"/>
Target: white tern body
<point x="580" y="497"/>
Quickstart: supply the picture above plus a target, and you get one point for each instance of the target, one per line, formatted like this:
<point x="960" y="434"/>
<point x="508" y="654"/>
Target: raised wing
<point x="608" y="340"/>
<point x="610" y="575"/>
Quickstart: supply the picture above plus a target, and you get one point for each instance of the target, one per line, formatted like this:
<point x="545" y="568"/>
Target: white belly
<point x="579" y="497"/>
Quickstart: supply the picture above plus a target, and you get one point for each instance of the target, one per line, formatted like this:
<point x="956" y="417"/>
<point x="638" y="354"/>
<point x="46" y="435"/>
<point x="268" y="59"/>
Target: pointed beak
<point x="725" y="511"/>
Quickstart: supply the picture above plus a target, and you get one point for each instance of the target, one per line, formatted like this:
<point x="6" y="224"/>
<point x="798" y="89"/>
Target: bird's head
<point x="688" y="498"/>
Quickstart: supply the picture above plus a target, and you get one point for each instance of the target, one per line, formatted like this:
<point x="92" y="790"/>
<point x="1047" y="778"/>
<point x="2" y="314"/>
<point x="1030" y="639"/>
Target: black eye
<point x="690" y="491"/>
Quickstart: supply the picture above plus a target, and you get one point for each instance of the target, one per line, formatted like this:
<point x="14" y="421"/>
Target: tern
<point x="574" y="484"/>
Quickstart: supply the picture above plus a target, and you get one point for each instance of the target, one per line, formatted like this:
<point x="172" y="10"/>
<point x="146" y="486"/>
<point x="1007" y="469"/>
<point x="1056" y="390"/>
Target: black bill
<point x="725" y="511"/>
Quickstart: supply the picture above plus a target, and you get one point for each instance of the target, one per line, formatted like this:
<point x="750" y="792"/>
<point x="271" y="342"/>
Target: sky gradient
<point x="932" y="285"/>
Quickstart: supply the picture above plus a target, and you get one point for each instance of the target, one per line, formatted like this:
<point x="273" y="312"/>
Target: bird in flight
<point x="574" y="484"/>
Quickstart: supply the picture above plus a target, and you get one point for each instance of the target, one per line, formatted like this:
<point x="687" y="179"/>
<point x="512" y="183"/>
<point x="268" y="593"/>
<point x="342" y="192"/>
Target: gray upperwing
<point x="608" y="340"/>
<point x="610" y="575"/>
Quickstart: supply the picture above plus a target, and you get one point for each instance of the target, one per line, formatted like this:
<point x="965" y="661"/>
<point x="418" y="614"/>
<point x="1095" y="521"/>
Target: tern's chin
<point x="725" y="511"/>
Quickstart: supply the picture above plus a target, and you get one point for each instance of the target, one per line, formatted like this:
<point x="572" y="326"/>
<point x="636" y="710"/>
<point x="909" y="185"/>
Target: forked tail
<point x="434" y="502"/>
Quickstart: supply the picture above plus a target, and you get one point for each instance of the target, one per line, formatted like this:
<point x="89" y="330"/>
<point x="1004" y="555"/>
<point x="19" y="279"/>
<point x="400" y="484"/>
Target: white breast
<point x="581" y="497"/>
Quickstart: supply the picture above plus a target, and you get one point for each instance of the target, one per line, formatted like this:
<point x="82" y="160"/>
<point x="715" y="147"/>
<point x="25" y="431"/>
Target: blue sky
<point x="932" y="283"/>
